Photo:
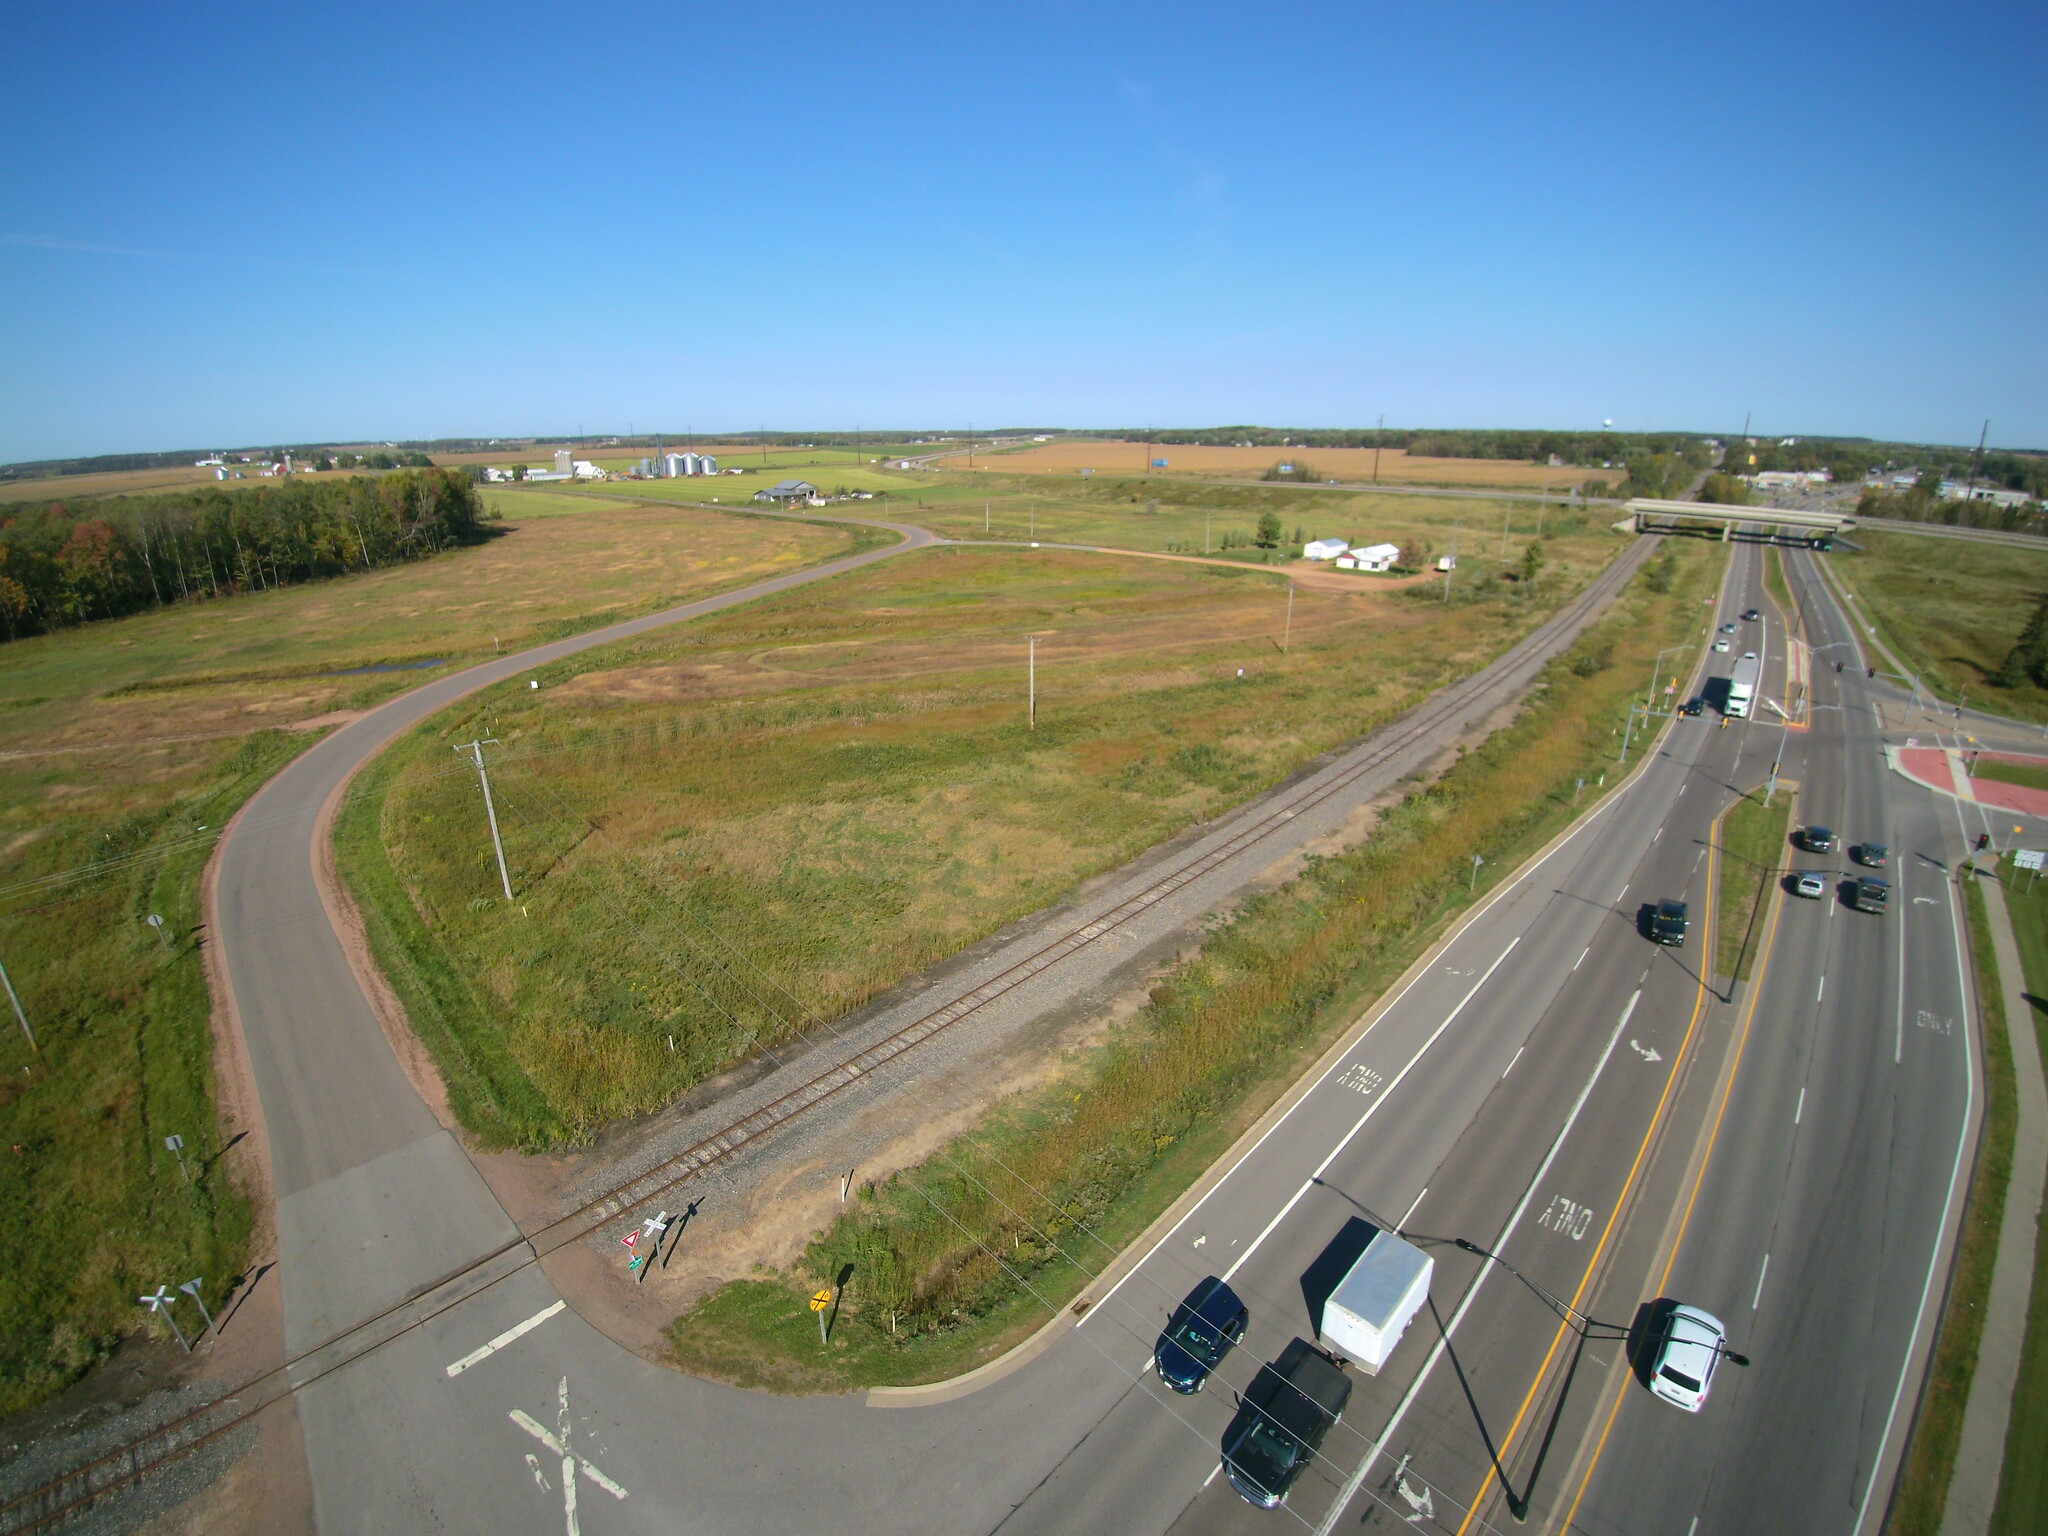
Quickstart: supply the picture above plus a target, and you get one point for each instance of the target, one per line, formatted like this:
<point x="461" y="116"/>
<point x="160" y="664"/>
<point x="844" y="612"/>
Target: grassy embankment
<point x="1779" y="589"/>
<point x="124" y="746"/>
<point x="1951" y="610"/>
<point x="1922" y="1491"/>
<point x="2023" y="1490"/>
<point x="841" y="784"/>
<point x="1753" y="848"/>
<point x="953" y="1262"/>
<point x="2026" y="775"/>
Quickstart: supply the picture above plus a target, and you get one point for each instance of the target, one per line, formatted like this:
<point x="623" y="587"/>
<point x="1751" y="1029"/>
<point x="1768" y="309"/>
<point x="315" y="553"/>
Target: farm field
<point x="1952" y="610"/>
<point x="841" y="786"/>
<point x="124" y="482"/>
<point x="1116" y="457"/>
<point x="124" y="746"/>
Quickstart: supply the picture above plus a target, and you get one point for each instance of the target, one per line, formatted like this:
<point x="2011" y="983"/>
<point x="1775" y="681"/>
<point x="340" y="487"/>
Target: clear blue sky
<point x="231" y="225"/>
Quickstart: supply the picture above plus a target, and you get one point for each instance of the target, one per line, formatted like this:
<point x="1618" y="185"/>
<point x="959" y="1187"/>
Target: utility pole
<point x="984" y="517"/>
<point x="1977" y="464"/>
<point x="1378" y="442"/>
<point x="476" y="752"/>
<point x="1507" y="519"/>
<point x="1205" y="532"/>
<point x="1289" y="632"/>
<point x="19" y="1017"/>
<point x="1031" y="674"/>
<point x="1454" y="563"/>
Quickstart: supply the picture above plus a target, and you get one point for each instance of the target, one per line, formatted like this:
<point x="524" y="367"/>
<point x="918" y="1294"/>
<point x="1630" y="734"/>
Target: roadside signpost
<point x="192" y="1288"/>
<point x="651" y="1228"/>
<point x="820" y="1300"/>
<point x="159" y="1302"/>
<point x="175" y="1145"/>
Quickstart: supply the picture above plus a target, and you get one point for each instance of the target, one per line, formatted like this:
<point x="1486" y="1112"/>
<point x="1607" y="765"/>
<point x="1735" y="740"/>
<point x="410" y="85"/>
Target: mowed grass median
<point x="725" y="833"/>
<point x="946" y="1265"/>
<point x="125" y="746"/>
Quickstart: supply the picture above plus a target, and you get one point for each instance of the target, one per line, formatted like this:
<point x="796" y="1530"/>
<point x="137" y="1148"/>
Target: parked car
<point x="1873" y="855"/>
<point x="1202" y="1330"/>
<point x="1811" y="886"/>
<point x="1817" y="840"/>
<point x="1683" y="1371"/>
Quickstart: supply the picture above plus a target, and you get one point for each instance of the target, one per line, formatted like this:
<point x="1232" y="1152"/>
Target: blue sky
<point x="233" y="225"/>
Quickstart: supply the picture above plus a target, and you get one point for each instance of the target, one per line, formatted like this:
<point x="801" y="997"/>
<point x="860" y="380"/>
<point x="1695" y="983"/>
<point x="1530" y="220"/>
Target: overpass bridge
<point x="1646" y="514"/>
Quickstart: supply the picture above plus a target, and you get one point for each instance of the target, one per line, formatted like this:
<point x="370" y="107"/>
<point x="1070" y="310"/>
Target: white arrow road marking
<point x="516" y="1331"/>
<point x="1648" y="1053"/>
<point x="558" y="1442"/>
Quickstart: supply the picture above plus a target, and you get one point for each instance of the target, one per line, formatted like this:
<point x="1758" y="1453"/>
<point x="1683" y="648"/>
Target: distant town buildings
<point x="1997" y="496"/>
<point x="1786" y="479"/>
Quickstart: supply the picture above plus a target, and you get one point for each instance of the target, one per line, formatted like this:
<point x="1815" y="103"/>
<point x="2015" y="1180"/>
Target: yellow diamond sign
<point x="821" y="1300"/>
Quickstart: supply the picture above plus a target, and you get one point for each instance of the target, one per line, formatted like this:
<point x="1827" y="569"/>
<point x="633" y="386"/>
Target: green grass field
<point x="2023" y="1490"/>
<point x="959" y="1258"/>
<point x="841" y="783"/>
<point x="2028" y="775"/>
<point x="1952" y="610"/>
<point x="1753" y="857"/>
<point x="124" y="746"/>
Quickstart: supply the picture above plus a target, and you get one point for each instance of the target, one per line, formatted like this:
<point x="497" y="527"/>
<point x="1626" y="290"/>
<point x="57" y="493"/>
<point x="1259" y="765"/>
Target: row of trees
<point x="62" y="565"/>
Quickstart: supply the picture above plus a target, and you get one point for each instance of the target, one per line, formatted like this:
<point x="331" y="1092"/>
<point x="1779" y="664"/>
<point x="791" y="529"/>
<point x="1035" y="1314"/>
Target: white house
<point x="1377" y="557"/>
<point x="585" y="470"/>
<point x="1323" y="549"/>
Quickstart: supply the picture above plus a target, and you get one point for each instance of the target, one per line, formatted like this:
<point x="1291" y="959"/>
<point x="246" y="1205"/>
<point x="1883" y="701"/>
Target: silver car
<point x="1684" y="1369"/>
<point x="1812" y="886"/>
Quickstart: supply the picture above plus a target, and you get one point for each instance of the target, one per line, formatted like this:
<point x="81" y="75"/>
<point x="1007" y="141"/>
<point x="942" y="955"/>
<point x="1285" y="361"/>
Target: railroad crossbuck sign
<point x="820" y="1300"/>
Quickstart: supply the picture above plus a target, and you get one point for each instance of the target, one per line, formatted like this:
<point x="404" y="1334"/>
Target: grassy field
<point x="124" y="746"/>
<point x="1952" y="610"/>
<point x="954" y="1261"/>
<point x="2028" y="775"/>
<point x="1113" y="457"/>
<point x="1753" y="855"/>
<point x="2023" y="1490"/>
<point x="1922" y="1493"/>
<point x="841" y="784"/>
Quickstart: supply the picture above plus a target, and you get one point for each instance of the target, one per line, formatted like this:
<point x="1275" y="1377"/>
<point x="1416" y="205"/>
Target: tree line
<point x="61" y="566"/>
<point x="1924" y="503"/>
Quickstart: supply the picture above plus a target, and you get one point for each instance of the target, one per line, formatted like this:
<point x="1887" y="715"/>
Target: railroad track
<point x="41" y="1506"/>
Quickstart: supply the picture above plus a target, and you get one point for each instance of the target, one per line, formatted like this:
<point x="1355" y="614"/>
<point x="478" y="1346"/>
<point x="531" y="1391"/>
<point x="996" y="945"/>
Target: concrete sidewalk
<point x="1973" y="1485"/>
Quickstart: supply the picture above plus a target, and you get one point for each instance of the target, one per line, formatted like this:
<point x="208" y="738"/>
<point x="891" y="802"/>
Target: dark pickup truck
<point x="1281" y="1419"/>
<point x="1867" y="893"/>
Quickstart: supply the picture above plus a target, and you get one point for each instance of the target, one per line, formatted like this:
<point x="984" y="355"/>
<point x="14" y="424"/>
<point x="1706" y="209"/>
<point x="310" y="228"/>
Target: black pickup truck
<point x="1867" y="893"/>
<point x="1281" y="1419"/>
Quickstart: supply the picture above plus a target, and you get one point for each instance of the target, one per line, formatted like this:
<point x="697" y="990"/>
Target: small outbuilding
<point x="1377" y="557"/>
<point x="1323" y="549"/>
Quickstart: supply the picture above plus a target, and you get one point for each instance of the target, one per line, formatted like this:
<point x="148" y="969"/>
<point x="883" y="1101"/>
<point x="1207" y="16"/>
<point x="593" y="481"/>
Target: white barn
<point x="1323" y="549"/>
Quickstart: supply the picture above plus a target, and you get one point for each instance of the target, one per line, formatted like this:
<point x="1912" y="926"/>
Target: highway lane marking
<point x="1822" y="990"/>
<point x="1371" y="1110"/>
<point x="1699" y="1179"/>
<point x="1948" y="1201"/>
<point x="1759" y="1296"/>
<point x="1799" y="1108"/>
<point x="517" y="1331"/>
<point x="1212" y="1474"/>
<point x="1624" y="891"/>
<point x="1403" y="1222"/>
<point x="1659" y="833"/>
<point x="1582" y="957"/>
<point x="1374" y="1451"/>
<point x="1899" y="1037"/>
<point x="1518" y="1055"/>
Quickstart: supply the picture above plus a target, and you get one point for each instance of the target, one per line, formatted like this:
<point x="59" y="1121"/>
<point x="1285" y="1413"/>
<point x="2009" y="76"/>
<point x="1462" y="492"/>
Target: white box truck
<point x="1742" y="687"/>
<point x="1376" y="1300"/>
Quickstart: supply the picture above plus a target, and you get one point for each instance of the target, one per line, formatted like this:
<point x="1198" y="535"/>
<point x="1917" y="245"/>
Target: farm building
<point x="1323" y="549"/>
<point x="788" y="491"/>
<point x="1374" y="557"/>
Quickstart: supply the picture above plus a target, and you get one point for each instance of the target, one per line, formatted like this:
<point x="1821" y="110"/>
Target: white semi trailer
<point x="1742" y="686"/>
<point x="1376" y="1300"/>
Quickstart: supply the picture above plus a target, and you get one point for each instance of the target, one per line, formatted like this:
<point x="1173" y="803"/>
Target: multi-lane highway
<point x="1550" y="1086"/>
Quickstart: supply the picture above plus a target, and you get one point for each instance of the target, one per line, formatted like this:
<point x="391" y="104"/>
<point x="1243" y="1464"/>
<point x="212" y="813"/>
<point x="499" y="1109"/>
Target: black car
<point x="1751" y="614"/>
<point x="1280" y="1421"/>
<point x="1692" y="706"/>
<point x="1817" y="840"/>
<point x="1668" y="922"/>
<point x="1873" y="855"/>
<point x="1198" y="1335"/>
